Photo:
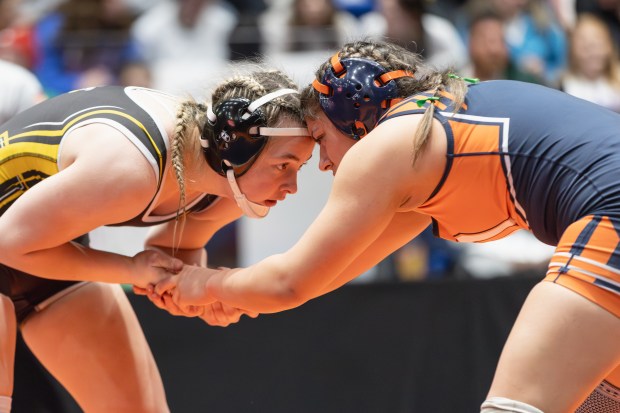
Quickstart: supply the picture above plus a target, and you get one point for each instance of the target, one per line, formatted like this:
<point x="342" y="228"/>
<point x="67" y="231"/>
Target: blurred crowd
<point x="183" y="46"/>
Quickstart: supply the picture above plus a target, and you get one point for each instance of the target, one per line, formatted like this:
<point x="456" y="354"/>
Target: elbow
<point x="290" y="295"/>
<point x="290" y="298"/>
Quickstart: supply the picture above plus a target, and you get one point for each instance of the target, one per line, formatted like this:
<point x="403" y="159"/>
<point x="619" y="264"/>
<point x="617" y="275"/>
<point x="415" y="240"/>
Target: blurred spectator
<point x="426" y="257"/>
<point x="306" y="25"/>
<point x="607" y="10"/>
<point x="594" y="67"/>
<point x="185" y="42"/>
<point x="488" y="53"/>
<point x="20" y="90"/>
<point x="448" y="9"/>
<point x="246" y="40"/>
<point x="16" y="35"/>
<point x="356" y="7"/>
<point x="135" y="73"/>
<point x="536" y="43"/>
<point x="565" y="13"/>
<point x="84" y="43"/>
<point x="407" y="23"/>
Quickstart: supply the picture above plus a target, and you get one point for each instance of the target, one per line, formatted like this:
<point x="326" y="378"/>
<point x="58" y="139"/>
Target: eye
<point x="319" y="138"/>
<point x="282" y="166"/>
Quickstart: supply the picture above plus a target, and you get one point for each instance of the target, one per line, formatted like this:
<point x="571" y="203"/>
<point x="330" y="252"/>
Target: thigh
<point x="91" y="341"/>
<point x="8" y="332"/>
<point x="560" y="348"/>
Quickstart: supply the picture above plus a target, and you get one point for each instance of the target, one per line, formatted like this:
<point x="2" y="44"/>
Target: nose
<point x="290" y="185"/>
<point x="325" y="164"/>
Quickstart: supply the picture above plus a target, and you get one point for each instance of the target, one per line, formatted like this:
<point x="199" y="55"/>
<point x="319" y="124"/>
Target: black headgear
<point x="238" y="133"/>
<point x="356" y="92"/>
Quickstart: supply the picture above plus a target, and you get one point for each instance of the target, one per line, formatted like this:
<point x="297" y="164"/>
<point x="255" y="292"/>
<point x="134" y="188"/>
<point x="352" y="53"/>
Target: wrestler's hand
<point x="219" y="314"/>
<point x="165" y="302"/>
<point x="188" y="287"/>
<point x="215" y="314"/>
<point x="152" y="266"/>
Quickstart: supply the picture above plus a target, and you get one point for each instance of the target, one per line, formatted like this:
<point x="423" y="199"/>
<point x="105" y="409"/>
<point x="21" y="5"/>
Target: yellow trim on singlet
<point x="45" y="166"/>
<point x="12" y="158"/>
<point x="61" y="132"/>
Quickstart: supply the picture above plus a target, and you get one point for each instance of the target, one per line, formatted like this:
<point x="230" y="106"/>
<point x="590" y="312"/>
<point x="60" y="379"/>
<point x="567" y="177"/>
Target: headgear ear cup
<point x="231" y="140"/>
<point x="356" y="93"/>
<point x="239" y="132"/>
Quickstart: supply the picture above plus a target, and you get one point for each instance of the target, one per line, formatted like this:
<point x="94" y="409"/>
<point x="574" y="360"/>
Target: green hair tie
<point x="421" y="102"/>
<point x="467" y="79"/>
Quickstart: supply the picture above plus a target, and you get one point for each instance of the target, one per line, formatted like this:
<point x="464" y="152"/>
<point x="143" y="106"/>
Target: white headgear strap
<point x="256" y="130"/>
<point x="249" y="208"/>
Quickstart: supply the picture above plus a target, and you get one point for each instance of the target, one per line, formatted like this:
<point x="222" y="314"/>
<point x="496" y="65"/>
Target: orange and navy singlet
<point x="525" y="156"/>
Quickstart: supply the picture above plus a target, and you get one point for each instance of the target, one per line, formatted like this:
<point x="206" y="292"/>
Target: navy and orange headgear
<point x="239" y="133"/>
<point x="356" y="92"/>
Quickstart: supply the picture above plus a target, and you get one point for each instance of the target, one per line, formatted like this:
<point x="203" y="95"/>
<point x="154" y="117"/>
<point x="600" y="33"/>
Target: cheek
<point x="255" y="183"/>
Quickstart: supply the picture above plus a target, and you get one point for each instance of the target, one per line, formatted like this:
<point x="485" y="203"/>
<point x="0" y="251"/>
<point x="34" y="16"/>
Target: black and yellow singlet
<point x="30" y="142"/>
<point x="30" y="146"/>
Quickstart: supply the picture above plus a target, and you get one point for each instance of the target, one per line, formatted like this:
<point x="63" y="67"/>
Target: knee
<point x="504" y="405"/>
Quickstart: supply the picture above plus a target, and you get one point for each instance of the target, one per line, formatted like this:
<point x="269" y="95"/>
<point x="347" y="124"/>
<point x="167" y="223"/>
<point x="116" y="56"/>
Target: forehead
<point x="318" y="124"/>
<point x="290" y="147"/>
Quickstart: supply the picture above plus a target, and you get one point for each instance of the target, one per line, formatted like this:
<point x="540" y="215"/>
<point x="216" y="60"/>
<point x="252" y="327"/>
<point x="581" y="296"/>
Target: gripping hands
<point x="151" y="267"/>
<point x="184" y="293"/>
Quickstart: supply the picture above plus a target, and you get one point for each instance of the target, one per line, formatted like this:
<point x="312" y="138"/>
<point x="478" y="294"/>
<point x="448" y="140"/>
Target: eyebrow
<point x="293" y="157"/>
<point x="316" y="130"/>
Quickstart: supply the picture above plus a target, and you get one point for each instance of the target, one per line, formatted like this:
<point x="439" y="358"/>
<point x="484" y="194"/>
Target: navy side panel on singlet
<point x="564" y="152"/>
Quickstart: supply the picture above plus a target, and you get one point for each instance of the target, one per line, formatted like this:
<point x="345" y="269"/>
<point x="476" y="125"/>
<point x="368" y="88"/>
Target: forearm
<point x="73" y="262"/>
<point x="261" y="288"/>
<point x="196" y="256"/>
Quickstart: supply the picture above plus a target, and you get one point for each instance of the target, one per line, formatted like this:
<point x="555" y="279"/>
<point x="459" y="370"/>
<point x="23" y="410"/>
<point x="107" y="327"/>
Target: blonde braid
<point x="238" y="86"/>
<point x="188" y="115"/>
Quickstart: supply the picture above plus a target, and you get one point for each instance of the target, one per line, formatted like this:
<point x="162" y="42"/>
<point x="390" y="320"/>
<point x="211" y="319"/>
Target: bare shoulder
<point x="101" y="156"/>
<point x="386" y="155"/>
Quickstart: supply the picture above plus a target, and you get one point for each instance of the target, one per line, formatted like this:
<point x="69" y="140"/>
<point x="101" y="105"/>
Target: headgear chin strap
<point x="239" y="137"/>
<point x="249" y="208"/>
<point x="356" y="92"/>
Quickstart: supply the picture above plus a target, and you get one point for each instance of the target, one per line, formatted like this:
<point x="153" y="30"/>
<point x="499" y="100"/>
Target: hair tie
<point x="467" y="79"/>
<point x="421" y="102"/>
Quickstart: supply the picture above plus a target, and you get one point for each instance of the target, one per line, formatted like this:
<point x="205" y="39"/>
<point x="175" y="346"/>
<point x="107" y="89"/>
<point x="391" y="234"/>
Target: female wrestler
<point x="477" y="161"/>
<point x="127" y="156"/>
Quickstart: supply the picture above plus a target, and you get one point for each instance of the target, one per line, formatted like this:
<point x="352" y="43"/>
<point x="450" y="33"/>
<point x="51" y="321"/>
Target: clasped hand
<point x="185" y="294"/>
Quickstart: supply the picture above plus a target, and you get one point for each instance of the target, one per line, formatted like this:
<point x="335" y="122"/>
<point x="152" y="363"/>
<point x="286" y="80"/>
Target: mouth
<point x="270" y="202"/>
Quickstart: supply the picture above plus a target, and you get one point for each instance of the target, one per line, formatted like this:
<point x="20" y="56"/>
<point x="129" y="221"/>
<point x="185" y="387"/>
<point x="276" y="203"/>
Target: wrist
<point x="214" y="284"/>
